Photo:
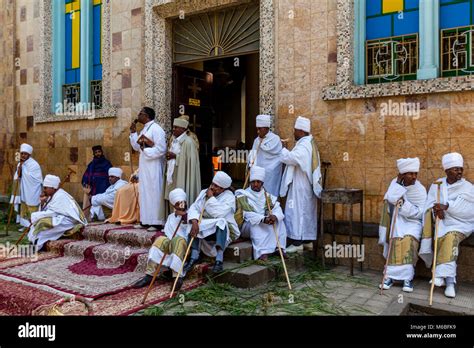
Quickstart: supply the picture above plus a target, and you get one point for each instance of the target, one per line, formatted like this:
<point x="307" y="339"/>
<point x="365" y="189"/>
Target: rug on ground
<point x="99" y="268"/>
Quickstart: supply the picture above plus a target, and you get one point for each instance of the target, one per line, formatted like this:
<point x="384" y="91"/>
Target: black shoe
<point x="179" y="283"/>
<point x="189" y="265"/>
<point x="167" y="275"/>
<point x="218" y="267"/>
<point x="146" y="280"/>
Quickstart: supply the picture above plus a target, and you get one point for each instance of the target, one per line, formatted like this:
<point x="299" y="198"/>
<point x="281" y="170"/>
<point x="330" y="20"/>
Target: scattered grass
<point x="308" y="296"/>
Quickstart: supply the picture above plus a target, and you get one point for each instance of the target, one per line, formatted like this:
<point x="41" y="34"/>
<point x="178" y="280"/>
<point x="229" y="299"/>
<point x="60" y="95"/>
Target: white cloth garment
<point x="268" y="157"/>
<point x="176" y="149"/>
<point x="29" y="191"/>
<point x="301" y="186"/>
<point x="171" y="260"/>
<point x="262" y="235"/>
<point x="409" y="222"/>
<point x="459" y="217"/>
<point x="65" y="214"/>
<point x="151" y="164"/>
<point x="107" y="198"/>
<point x="221" y="209"/>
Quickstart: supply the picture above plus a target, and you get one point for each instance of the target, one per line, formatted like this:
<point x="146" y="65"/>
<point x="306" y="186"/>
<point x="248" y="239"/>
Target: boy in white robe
<point x="406" y="190"/>
<point x="218" y="227"/>
<point x="301" y="185"/>
<point x="108" y="197"/>
<point x="151" y="143"/>
<point x="258" y="224"/>
<point x="173" y="243"/>
<point x="456" y="221"/>
<point x="30" y="178"/>
<point x="267" y="147"/>
<point x="61" y="214"/>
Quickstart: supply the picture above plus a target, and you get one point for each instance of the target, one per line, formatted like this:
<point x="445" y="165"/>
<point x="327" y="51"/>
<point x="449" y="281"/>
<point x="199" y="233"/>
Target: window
<point x="77" y="54"/>
<point x="392" y="46"/>
<point x="457" y="39"/>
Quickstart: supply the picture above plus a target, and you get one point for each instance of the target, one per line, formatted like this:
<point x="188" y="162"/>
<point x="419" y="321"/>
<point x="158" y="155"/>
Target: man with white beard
<point x="456" y="221"/>
<point x="410" y="194"/>
<point x="30" y="178"/>
<point x="267" y="149"/>
<point x="301" y="184"/>
<point x="258" y="223"/>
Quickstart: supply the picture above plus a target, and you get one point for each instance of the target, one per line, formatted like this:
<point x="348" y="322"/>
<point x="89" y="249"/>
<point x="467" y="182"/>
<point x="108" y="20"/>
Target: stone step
<point x="245" y="277"/>
<point x="239" y="252"/>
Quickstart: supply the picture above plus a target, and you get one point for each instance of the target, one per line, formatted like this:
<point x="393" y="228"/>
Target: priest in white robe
<point x="267" y="148"/>
<point x="151" y="143"/>
<point x="172" y="246"/>
<point x="301" y="185"/>
<point x="258" y="223"/>
<point x="60" y="215"/>
<point x="30" y="178"/>
<point x="107" y="198"/>
<point x="410" y="194"/>
<point x="456" y="221"/>
<point x="218" y="227"/>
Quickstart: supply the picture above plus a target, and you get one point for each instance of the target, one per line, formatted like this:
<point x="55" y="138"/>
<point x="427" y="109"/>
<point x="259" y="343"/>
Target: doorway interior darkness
<point x="221" y="98"/>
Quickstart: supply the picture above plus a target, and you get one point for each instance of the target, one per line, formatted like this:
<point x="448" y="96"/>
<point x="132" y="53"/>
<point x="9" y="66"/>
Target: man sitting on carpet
<point x="107" y="198"/>
<point x="59" y="215"/>
<point x="172" y="246"/>
<point x="126" y="205"/>
<point x="218" y="228"/>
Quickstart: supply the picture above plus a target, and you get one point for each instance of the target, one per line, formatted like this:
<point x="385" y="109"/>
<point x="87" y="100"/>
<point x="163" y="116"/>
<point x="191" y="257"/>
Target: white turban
<point x="257" y="173"/>
<point x="221" y="179"/>
<point x="264" y="121"/>
<point x="408" y="165"/>
<point x="452" y="160"/>
<point x="303" y="123"/>
<point x="26" y="148"/>
<point x="51" y="181"/>
<point x="116" y="172"/>
<point x="180" y="122"/>
<point x="177" y="195"/>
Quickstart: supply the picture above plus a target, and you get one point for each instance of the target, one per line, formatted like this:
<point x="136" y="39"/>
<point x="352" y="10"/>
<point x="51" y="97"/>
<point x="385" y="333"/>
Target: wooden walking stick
<point x="392" y="228"/>
<point x="12" y="206"/>
<point x="187" y="252"/>
<point x="278" y="243"/>
<point x="157" y="271"/>
<point x="251" y="165"/>
<point x="433" y="270"/>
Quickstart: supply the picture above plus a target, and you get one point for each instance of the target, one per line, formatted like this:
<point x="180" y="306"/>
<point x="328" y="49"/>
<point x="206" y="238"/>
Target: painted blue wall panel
<point x="67" y="38"/>
<point x="96" y="35"/>
<point x="411" y="4"/>
<point x="373" y="7"/>
<point x="379" y="27"/>
<point x="455" y="15"/>
<point x="97" y="75"/>
<point x="408" y="25"/>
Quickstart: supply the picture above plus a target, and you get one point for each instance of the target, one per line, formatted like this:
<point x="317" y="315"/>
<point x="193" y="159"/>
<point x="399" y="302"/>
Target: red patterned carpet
<point x="100" y="269"/>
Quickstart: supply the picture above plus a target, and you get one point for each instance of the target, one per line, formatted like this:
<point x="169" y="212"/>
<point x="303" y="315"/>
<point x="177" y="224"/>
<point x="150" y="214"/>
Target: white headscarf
<point x="116" y="172"/>
<point x="264" y="121"/>
<point x="408" y="165"/>
<point x="223" y="180"/>
<point x="51" y="181"/>
<point x="26" y="148"/>
<point x="177" y="195"/>
<point x="303" y="123"/>
<point x="257" y="173"/>
<point x="452" y="160"/>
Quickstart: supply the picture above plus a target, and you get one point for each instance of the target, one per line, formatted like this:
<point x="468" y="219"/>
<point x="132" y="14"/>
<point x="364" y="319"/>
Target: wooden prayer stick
<point x="278" y="243"/>
<point x="392" y="228"/>
<point x="12" y="206"/>
<point x="157" y="271"/>
<point x="251" y="165"/>
<point x="187" y="252"/>
<point x="433" y="270"/>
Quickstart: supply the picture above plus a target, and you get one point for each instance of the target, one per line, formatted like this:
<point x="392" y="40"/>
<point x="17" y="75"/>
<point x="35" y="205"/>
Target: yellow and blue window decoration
<point x="456" y="22"/>
<point x="391" y="40"/>
<point x="97" y="40"/>
<point x="72" y="41"/>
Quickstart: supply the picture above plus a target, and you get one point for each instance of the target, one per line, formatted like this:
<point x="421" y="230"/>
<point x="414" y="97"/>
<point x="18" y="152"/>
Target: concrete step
<point x="238" y="252"/>
<point x="245" y="277"/>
